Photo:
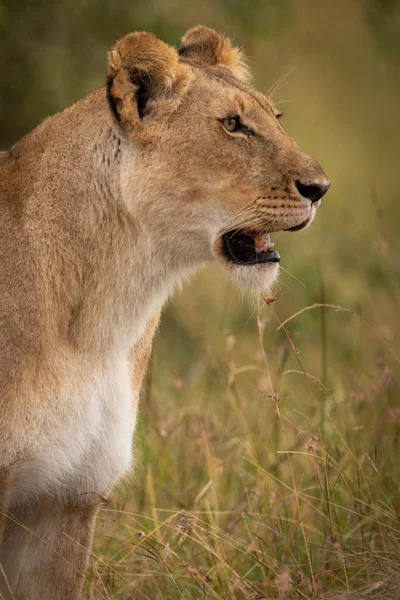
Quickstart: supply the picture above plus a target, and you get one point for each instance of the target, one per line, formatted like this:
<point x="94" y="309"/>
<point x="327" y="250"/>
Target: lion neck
<point x="106" y="276"/>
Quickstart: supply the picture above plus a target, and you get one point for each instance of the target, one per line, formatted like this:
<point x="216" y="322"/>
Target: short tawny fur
<point x="104" y="209"/>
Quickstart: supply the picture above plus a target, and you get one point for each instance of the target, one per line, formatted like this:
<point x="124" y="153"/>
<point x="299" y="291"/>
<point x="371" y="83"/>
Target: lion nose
<point x="314" y="190"/>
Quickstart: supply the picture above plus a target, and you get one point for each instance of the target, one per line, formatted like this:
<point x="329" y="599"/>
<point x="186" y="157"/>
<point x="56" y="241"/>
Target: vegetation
<point x="268" y="448"/>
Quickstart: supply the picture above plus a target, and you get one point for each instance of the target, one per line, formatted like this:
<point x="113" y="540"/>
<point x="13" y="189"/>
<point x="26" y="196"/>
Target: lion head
<point x="211" y="172"/>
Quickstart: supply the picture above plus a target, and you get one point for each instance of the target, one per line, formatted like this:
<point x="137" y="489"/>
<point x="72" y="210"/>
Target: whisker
<point x="252" y="218"/>
<point x="247" y="222"/>
<point x="253" y="213"/>
<point x="295" y="278"/>
<point x="252" y="314"/>
<point x="282" y="282"/>
<point x="238" y="212"/>
<point x="277" y="85"/>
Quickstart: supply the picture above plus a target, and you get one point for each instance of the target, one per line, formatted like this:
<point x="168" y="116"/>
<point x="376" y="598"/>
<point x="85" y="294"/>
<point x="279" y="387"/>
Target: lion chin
<point x="254" y="278"/>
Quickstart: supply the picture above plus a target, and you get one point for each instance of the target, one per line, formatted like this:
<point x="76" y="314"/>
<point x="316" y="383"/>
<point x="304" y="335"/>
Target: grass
<point x="268" y="445"/>
<point x="267" y="456"/>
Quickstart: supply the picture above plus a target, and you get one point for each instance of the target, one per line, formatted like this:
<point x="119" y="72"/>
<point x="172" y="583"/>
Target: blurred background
<point x="267" y="456"/>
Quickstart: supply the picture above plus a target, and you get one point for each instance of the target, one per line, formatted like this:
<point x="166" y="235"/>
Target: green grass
<point x="267" y="456"/>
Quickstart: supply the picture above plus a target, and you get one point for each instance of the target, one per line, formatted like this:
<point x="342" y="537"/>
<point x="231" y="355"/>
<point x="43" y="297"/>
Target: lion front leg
<point x="46" y="548"/>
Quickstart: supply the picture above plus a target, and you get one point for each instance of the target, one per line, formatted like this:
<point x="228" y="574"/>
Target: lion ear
<point x="206" y="46"/>
<point x="143" y="70"/>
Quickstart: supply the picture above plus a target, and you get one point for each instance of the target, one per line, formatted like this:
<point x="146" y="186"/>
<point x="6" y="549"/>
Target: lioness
<point x="104" y="208"/>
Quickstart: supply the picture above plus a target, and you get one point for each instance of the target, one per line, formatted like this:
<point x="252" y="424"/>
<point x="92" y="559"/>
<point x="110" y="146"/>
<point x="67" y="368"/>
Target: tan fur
<point x="206" y="46"/>
<point x="141" y="351"/>
<point x="104" y="208"/>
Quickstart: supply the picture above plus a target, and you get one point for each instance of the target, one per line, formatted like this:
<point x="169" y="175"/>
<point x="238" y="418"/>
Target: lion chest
<point x="84" y="444"/>
<point x="109" y="431"/>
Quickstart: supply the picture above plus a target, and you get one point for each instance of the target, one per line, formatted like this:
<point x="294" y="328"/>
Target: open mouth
<point x="248" y="248"/>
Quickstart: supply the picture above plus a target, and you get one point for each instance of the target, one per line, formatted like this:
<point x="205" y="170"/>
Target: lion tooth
<point x="260" y="242"/>
<point x="268" y="241"/>
<point x="263" y="242"/>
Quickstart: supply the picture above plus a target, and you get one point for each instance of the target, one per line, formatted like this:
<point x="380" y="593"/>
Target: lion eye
<point x="235" y="125"/>
<point x="231" y="123"/>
